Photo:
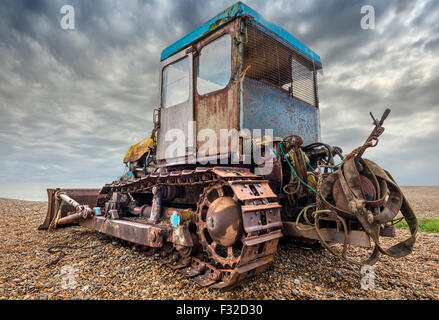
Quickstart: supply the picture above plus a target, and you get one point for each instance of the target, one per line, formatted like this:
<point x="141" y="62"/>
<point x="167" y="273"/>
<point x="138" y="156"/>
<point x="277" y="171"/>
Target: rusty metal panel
<point x="279" y="89"/>
<point x="270" y="108"/>
<point x="356" y="238"/>
<point x="252" y="189"/>
<point x="139" y="233"/>
<point x="233" y="172"/>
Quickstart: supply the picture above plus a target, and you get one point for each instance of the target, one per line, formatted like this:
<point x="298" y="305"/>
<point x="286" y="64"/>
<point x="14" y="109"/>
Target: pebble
<point x="294" y="292"/>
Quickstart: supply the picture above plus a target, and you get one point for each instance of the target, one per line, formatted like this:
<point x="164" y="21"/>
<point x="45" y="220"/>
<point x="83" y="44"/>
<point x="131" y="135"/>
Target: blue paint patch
<point x="270" y="108"/>
<point x="175" y="219"/>
<point x="97" y="211"/>
<point x="239" y="10"/>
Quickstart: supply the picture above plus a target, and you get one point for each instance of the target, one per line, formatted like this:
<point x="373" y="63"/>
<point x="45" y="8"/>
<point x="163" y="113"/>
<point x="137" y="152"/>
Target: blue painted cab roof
<point x="239" y="9"/>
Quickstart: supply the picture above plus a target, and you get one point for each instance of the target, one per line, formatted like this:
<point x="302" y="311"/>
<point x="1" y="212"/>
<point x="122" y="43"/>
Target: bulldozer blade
<point x="82" y="196"/>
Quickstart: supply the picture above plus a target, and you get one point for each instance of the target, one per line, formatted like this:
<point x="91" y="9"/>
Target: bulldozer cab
<point x="236" y="71"/>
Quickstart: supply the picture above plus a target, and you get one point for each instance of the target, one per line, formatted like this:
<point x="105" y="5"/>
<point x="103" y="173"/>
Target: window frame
<point x="197" y="65"/>
<point x="190" y="74"/>
<point x="306" y="64"/>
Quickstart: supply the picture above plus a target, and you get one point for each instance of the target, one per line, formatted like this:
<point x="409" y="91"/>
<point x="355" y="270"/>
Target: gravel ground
<point x="106" y="268"/>
<point x="425" y="200"/>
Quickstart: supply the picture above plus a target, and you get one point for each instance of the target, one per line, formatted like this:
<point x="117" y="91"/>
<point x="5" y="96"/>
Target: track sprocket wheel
<point x="219" y="225"/>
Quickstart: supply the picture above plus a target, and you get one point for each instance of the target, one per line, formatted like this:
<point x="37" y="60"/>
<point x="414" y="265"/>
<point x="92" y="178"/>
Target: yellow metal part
<point x="136" y="151"/>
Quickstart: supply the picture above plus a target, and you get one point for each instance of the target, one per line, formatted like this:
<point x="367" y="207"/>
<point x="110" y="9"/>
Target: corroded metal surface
<point x="224" y="221"/>
<point x="83" y="196"/>
<point x="139" y="233"/>
<point x="267" y="107"/>
<point x="219" y="109"/>
<point x="331" y="235"/>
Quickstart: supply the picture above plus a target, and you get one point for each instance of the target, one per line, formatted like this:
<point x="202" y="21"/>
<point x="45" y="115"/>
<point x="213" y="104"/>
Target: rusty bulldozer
<point x="220" y="224"/>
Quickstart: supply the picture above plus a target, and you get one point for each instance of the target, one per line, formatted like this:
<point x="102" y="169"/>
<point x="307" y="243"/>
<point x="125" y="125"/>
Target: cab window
<point x="175" y="84"/>
<point x="214" y="65"/>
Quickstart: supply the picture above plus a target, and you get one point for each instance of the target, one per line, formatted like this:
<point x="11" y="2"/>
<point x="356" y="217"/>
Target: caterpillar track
<point x="219" y="258"/>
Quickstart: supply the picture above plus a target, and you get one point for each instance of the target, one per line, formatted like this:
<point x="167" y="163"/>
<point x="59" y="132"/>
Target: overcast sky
<point x="72" y="102"/>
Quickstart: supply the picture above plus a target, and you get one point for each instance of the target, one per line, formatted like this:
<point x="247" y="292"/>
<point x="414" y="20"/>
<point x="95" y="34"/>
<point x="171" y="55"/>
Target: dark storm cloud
<point x="71" y="102"/>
